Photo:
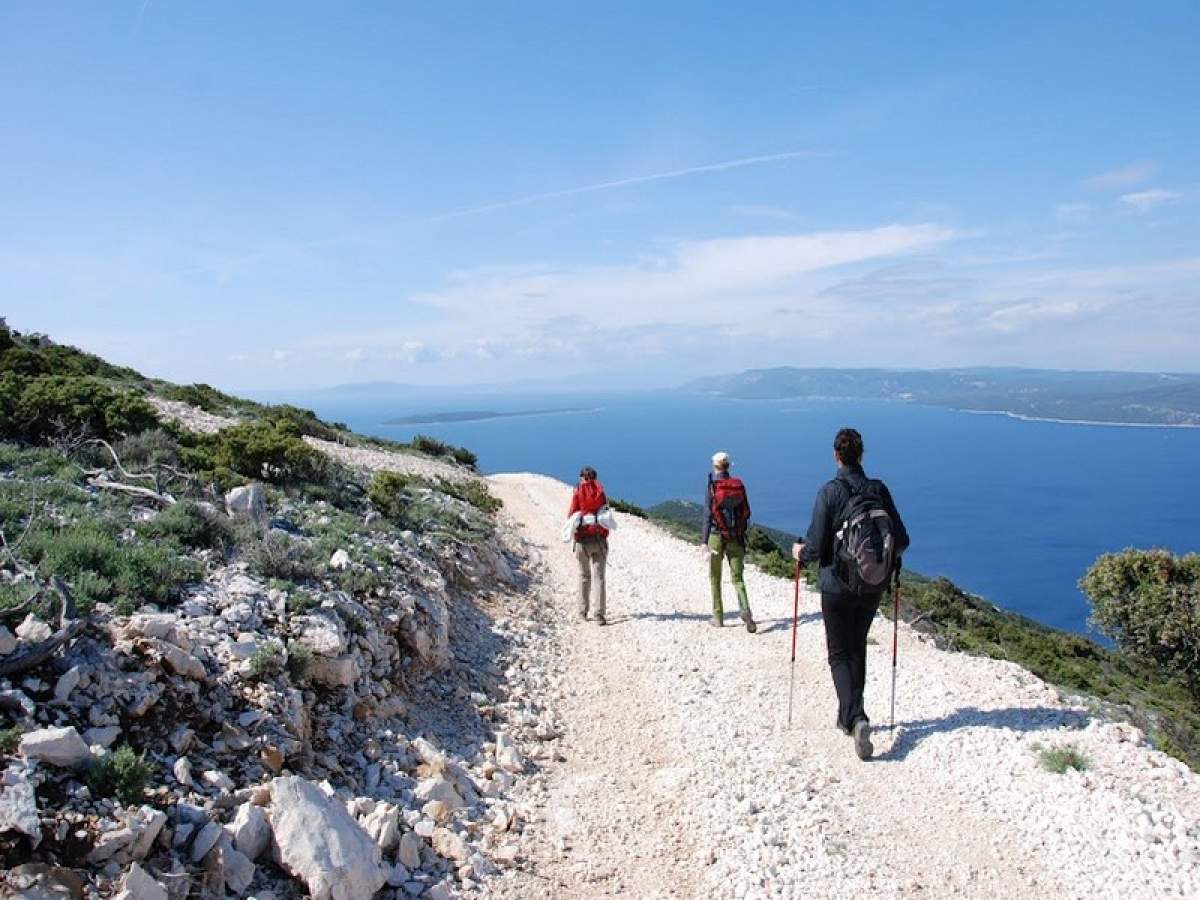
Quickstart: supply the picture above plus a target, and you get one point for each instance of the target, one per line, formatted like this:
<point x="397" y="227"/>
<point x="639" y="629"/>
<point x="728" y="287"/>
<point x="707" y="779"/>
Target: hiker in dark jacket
<point x="848" y="615"/>
<point x="726" y="539"/>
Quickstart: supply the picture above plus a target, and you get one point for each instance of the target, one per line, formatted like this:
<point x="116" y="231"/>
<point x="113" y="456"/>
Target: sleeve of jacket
<point x="707" y="529"/>
<point x="902" y="540"/>
<point x="819" y="529"/>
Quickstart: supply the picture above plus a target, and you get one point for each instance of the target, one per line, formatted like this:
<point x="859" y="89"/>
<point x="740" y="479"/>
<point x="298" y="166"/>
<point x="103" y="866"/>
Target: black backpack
<point x="864" y="545"/>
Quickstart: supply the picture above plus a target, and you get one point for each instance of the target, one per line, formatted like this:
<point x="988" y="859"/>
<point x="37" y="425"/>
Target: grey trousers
<point x="592" y="555"/>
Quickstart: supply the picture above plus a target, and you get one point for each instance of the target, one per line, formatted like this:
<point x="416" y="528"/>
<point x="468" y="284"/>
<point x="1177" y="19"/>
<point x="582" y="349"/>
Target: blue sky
<point x="292" y="195"/>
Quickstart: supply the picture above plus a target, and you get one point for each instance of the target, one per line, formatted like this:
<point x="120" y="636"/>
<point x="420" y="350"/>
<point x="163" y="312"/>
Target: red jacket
<point x="588" y="499"/>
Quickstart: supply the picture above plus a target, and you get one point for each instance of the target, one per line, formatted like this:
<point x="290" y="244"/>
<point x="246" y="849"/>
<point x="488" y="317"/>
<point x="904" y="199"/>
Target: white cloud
<point x="694" y="280"/>
<point x="1144" y="201"/>
<point x="281" y="355"/>
<point x="1072" y="212"/>
<point x="1124" y="177"/>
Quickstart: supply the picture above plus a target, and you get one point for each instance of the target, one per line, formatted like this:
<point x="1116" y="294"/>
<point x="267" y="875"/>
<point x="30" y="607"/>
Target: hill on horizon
<point x="1126" y="398"/>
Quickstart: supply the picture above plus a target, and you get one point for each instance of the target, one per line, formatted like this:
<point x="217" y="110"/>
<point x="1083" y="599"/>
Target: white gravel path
<point x="681" y="778"/>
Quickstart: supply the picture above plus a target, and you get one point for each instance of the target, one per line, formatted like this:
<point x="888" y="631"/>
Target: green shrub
<point x="1059" y="759"/>
<point x="422" y="443"/>
<point x="303" y="421"/>
<point x="464" y="457"/>
<point x="266" y="661"/>
<point x="300" y="657"/>
<point x="276" y="555"/>
<point x="1148" y="602"/>
<point x="630" y="508"/>
<point x="274" y="452"/>
<point x="45" y="407"/>
<point x="21" y="361"/>
<point x="122" y="774"/>
<point x="203" y="396"/>
<point x="474" y="492"/>
<point x="99" y="568"/>
<point x="189" y="525"/>
<point x="148" y="450"/>
<point x="10" y="740"/>
<point x="387" y="494"/>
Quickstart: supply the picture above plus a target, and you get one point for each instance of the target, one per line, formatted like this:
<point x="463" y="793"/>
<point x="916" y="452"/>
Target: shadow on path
<point x="1018" y="718"/>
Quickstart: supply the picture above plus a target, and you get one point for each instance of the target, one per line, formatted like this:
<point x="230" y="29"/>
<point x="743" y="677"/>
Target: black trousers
<point x="847" y="621"/>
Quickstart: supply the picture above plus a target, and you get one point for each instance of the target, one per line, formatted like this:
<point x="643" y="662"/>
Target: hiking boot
<point x="716" y="621"/>
<point x="750" y="626"/>
<point x="862" y="739"/>
<point x="600" y="620"/>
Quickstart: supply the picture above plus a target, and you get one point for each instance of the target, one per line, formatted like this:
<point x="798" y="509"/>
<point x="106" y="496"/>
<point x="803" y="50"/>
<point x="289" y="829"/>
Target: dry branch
<point x="17" y="663"/>
<point x="145" y="493"/>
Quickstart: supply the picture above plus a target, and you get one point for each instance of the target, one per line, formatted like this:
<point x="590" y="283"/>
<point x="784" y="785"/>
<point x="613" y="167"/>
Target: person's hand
<point x="797" y="550"/>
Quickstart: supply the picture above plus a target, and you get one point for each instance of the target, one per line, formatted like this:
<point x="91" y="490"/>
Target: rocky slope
<point x="357" y="730"/>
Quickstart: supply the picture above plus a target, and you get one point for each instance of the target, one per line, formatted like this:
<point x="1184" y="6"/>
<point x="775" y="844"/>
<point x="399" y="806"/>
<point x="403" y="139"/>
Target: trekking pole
<point x="895" y="638"/>
<point x="795" y="622"/>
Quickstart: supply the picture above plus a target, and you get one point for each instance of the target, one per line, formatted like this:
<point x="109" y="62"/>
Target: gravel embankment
<point x="682" y="779"/>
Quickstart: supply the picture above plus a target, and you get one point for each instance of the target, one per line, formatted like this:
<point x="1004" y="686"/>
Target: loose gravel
<point x="677" y="775"/>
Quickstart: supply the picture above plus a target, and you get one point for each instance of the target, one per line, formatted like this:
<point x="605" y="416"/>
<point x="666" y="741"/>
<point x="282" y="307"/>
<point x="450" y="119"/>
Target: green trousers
<point x="718" y="550"/>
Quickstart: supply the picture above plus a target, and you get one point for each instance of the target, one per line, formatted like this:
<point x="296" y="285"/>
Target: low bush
<point x="387" y="494"/>
<point x="148" y="450"/>
<point x="422" y="443"/>
<point x="1148" y="602"/>
<point x="275" y="555"/>
<point x="189" y="525"/>
<point x="274" y="452"/>
<point x="203" y="396"/>
<point x="631" y="508"/>
<point x="10" y="740"/>
<point x="266" y="661"/>
<point x="303" y="421"/>
<point x="99" y="568"/>
<point x="464" y="457"/>
<point x="474" y="492"/>
<point x="299" y="659"/>
<point x="122" y="774"/>
<point x="1059" y="759"/>
<point x="48" y="407"/>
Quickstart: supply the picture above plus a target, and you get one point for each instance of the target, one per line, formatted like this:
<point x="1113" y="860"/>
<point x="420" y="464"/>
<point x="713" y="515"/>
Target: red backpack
<point x="729" y="507"/>
<point x="590" y="499"/>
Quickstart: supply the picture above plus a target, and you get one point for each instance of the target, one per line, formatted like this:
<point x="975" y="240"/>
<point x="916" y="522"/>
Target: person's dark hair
<point x="587" y="473"/>
<point x="848" y="445"/>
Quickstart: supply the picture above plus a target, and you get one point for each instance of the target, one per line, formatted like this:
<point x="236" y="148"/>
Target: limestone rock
<point x="67" y="682"/>
<point x="318" y="842"/>
<point x="439" y="789"/>
<point x="18" y="804"/>
<point x="409" y="853"/>
<point x="250" y="830"/>
<point x="57" y="746"/>
<point x="138" y="884"/>
<point x="247" y="502"/>
<point x="340" y="561"/>
<point x="8" y="643"/>
<point x="449" y="845"/>
<point x="32" y="630"/>
<point x="341" y="671"/>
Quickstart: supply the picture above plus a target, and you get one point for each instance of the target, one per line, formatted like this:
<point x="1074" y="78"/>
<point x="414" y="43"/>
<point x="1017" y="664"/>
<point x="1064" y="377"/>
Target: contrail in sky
<point x="722" y="166"/>
<point x="624" y="182"/>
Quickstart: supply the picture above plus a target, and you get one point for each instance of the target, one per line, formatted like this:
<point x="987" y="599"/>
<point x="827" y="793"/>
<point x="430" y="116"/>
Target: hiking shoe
<point x="750" y="626"/>
<point x="600" y="620"/>
<point x="716" y="621"/>
<point x="862" y="739"/>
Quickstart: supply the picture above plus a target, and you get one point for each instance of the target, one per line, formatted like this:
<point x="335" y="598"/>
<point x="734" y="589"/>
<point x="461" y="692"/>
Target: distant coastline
<point x="477" y="415"/>
<point x="1094" y="422"/>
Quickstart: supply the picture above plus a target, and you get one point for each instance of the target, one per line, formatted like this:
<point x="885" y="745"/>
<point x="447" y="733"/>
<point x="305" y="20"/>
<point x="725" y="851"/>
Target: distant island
<point x="1108" y="398"/>
<point x="476" y="415"/>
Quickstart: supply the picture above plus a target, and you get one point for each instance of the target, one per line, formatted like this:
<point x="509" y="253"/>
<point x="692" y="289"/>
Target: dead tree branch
<point x="17" y="663"/>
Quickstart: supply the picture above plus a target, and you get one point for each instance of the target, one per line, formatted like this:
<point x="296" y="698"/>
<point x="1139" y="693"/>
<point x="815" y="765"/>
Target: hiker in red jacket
<point x="724" y="537"/>
<point x="590" y="542"/>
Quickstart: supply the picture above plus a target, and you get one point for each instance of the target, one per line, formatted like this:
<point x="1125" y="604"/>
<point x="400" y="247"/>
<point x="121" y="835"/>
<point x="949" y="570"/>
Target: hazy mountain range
<point x="1134" y="398"/>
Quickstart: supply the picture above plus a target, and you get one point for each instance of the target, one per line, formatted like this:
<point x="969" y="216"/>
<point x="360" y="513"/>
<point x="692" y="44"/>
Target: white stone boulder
<point x="18" y="804"/>
<point x="247" y="502"/>
<point x="61" y="747"/>
<point x="138" y="884"/>
<point x="250" y="830"/>
<point x="318" y="842"/>
<point x="8" y="641"/>
<point x="340" y="561"/>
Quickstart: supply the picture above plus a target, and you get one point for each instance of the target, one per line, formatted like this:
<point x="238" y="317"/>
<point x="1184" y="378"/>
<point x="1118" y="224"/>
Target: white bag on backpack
<point x="606" y="519"/>
<point x="569" y="527"/>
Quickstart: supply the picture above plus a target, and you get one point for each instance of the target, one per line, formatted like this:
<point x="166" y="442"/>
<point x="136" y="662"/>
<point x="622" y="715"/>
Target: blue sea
<point x="1010" y="509"/>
